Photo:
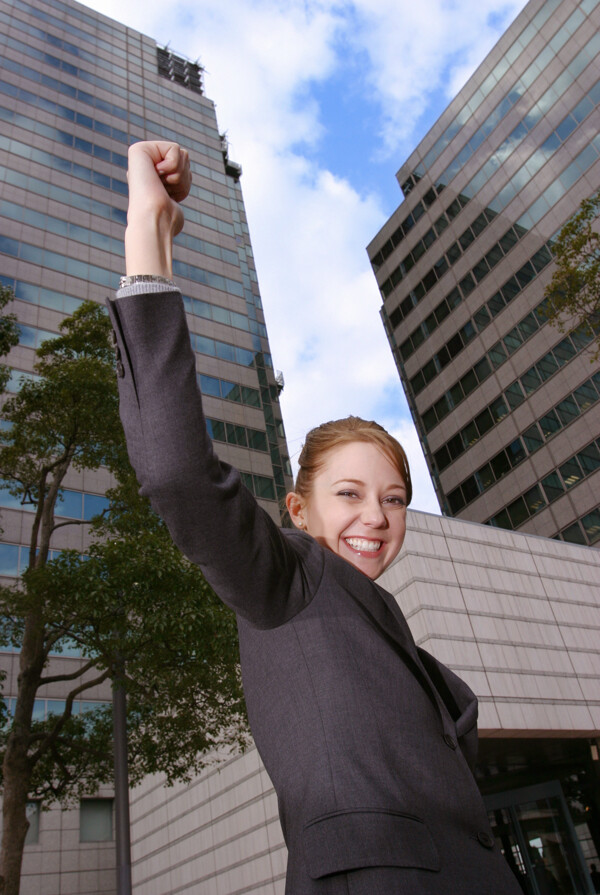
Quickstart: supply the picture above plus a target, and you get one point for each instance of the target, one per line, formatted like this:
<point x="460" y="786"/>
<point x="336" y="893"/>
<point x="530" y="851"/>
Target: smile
<point x="363" y="545"/>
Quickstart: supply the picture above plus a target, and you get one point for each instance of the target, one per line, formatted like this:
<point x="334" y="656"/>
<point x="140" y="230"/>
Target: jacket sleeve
<point x="264" y="575"/>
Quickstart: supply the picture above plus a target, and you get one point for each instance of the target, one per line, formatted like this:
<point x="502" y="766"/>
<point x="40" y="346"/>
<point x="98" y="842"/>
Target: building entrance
<point x="535" y="832"/>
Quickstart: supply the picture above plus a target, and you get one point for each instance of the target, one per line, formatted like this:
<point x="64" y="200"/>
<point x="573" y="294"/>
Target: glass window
<point x="442" y="458"/>
<point x="70" y="504"/>
<point x="553" y="486"/>
<point x="541" y="258"/>
<point x="470" y="489"/>
<point x="429" y="419"/>
<point x="456" y="501"/>
<point x="573" y="534"/>
<point x="518" y="512"/>
<point x="533" y="438"/>
<point x="479" y="224"/>
<point x="482" y="318"/>
<point x="466" y="238"/>
<point x="516" y="452"/>
<point x="209" y="385"/>
<point x="480" y="270"/>
<point x="571" y="472"/>
<point x="467" y="284"/>
<point x="530" y="380"/>
<point x="484" y="422"/>
<point x="525" y="274"/>
<point x="591" y="525"/>
<point x="549" y="424"/>
<point x="456" y="394"/>
<point x="507" y="241"/>
<point x="257" y="440"/>
<point x="454" y="298"/>
<point x="498" y="410"/>
<point x="510" y="289"/>
<point x="485" y="476"/>
<point x="534" y="500"/>
<point x="218" y="430"/>
<point x="482" y="369"/>
<point x="501" y="520"/>
<point x="496" y="304"/>
<point x="453" y="253"/>
<point x="567" y="410"/>
<point x="564" y="351"/>
<point x="95" y="820"/>
<point x="9" y="560"/>
<point x="468" y="382"/>
<point x="581" y="337"/>
<point x="250" y="396"/>
<point x="93" y="505"/>
<point x="546" y="366"/>
<point x="500" y="465"/>
<point x="455" y="447"/>
<point x="528" y="325"/>
<point x="585" y="395"/>
<point x="264" y="487"/>
<point x="231" y="391"/>
<point x="512" y="340"/>
<point x="589" y="458"/>
<point x="470" y="434"/>
<point x="442" y="311"/>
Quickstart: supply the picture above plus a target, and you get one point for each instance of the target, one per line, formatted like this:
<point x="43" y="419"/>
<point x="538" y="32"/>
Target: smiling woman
<point x="354" y="502"/>
<point x="369" y="741"/>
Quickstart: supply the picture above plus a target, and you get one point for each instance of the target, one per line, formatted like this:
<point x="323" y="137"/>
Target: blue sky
<point x="322" y="101"/>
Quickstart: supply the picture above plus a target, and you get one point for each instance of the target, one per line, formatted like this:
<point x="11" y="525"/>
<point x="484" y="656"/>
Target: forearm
<point x="159" y="178"/>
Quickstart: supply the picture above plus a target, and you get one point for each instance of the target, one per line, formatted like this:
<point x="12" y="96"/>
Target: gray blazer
<point x="369" y="741"/>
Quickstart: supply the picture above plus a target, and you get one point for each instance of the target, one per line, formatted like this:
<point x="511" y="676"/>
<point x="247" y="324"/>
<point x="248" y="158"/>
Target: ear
<point x="295" y="506"/>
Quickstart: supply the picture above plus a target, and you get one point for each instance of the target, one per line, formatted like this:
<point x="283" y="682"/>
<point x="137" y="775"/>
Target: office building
<point x="76" y="88"/>
<point x="507" y="407"/>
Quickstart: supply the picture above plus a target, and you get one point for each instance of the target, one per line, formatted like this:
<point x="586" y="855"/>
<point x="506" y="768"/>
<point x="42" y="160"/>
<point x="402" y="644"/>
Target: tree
<point x="9" y="333"/>
<point x="132" y="600"/>
<point x="574" y="291"/>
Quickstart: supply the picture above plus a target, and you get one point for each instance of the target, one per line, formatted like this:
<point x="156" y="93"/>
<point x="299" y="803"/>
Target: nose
<point x="372" y="513"/>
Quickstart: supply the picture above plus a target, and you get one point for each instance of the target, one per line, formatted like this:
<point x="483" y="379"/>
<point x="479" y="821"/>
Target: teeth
<point x="363" y="544"/>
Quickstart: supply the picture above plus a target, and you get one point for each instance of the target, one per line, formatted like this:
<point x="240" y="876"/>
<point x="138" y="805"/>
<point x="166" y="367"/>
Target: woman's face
<point x="357" y="507"/>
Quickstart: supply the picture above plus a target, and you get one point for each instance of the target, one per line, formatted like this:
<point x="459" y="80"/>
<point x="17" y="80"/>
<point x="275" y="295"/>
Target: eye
<point x="347" y="494"/>
<point x="394" y="500"/>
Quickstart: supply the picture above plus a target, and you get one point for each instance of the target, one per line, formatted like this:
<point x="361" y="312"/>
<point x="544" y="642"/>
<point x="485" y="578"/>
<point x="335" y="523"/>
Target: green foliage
<point x="133" y="598"/>
<point x="574" y="291"/>
<point x="69" y="415"/>
<point x="9" y="333"/>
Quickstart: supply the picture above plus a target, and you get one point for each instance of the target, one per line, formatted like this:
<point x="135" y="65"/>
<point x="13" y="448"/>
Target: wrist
<point x="149" y="245"/>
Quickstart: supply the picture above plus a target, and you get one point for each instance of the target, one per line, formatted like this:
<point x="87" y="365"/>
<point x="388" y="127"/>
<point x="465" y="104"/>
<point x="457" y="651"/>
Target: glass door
<point x="535" y="833"/>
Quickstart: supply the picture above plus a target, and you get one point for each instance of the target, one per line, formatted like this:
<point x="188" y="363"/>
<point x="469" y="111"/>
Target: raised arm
<point x="265" y="576"/>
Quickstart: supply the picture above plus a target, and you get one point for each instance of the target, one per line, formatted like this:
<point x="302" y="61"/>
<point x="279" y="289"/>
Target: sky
<point x="322" y="101"/>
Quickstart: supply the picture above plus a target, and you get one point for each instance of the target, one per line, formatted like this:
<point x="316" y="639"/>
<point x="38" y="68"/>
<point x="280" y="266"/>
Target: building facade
<point x="507" y="407"/>
<point x="516" y="616"/>
<point x="76" y="88"/>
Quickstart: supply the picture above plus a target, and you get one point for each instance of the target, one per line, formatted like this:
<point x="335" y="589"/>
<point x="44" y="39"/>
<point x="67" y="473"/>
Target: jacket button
<point x="449" y="741"/>
<point x="485" y="839"/>
<point x="113" y="337"/>
<point x="120" y="369"/>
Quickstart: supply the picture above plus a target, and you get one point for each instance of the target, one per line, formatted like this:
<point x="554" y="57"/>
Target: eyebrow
<point x="360" y="482"/>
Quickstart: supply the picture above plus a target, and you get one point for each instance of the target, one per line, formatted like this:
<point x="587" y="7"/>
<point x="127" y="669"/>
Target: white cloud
<point x="309" y="226"/>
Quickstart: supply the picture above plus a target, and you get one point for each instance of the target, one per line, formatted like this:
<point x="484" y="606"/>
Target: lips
<point x="364" y="545"/>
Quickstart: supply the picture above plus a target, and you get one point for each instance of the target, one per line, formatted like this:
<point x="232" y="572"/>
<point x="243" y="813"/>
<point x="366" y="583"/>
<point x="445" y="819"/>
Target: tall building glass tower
<point x="507" y="407"/>
<point x="76" y="88"/>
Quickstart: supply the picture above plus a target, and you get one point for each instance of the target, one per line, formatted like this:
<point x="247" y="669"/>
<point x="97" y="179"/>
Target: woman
<point x="368" y="740"/>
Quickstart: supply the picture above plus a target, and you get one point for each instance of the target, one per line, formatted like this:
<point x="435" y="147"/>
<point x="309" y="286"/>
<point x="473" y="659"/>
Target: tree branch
<point x="68" y="677"/>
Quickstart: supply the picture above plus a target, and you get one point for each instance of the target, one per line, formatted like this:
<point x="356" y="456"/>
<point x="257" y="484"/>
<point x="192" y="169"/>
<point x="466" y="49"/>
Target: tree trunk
<point x="14" y="817"/>
<point x="17" y="767"/>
